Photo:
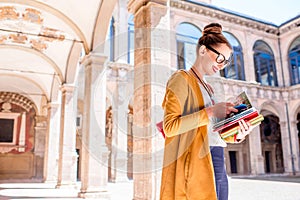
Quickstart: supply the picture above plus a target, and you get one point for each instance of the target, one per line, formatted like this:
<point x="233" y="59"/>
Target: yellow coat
<point x="187" y="169"/>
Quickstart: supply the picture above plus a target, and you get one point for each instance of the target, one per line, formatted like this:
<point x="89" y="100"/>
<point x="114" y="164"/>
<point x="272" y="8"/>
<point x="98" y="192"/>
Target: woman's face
<point x="215" y="58"/>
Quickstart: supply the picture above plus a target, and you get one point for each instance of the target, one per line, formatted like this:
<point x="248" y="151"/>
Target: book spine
<point x="249" y="116"/>
<point x="254" y="122"/>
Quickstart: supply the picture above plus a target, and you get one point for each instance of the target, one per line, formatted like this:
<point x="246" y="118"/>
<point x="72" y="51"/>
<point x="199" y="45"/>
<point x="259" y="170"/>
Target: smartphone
<point x="240" y="107"/>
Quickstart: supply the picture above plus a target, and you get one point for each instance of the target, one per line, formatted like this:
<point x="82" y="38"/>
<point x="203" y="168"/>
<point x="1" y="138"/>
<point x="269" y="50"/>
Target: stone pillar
<point x="288" y="138"/>
<point x="290" y="156"/>
<point x="67" y="163"/>
<point x="118" y="156"/>
<point x="255" y="148"/>
<point x="52" y="143"/>
<point x="241" y="161"/>
<point x="256" y="157"/>
<point x="94" y="171"/>
<point x="151" y="71"/>
<point x="295" y="145"/>
<point x="286" y="151"/>
<point x="39" y="145"/>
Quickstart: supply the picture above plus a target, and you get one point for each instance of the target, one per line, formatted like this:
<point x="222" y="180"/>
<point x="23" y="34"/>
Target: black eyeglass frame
<point x="220" y="58"/>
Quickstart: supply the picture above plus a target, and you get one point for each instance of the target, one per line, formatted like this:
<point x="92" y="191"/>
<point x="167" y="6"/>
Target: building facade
<point x="80" y="96"/>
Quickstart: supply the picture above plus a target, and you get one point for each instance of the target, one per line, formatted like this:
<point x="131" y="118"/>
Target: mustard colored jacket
<point x="187" y="167"/>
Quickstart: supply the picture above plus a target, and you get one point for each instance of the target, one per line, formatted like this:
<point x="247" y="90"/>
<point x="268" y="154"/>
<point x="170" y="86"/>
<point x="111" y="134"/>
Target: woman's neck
<point x="197" y="73"/>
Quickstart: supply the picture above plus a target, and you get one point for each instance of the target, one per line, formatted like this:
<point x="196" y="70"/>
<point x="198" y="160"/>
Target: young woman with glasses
<point x="193" y="165"/>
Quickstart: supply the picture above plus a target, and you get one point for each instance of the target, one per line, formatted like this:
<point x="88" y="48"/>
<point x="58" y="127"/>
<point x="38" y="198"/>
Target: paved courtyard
<point x="243" y="188"/>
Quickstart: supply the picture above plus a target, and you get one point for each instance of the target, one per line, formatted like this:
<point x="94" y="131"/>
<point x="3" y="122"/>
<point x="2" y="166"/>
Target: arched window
<point x="236" y="69"/>
<point x="187" y="36"/>
<point x="265" y="69"/>
<point x="130" y="55"/>
<point x="111" y="39"/>
<point x="294" y="61"/>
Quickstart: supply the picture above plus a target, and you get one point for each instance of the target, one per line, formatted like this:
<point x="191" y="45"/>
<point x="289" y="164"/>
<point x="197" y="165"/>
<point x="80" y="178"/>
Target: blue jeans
<point x="217" y="154"/>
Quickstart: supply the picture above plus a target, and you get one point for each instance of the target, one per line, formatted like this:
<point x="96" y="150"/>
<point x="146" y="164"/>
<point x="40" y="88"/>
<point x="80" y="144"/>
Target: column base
<point x="66" y="186"/>
<point x="50" y="181"/>
<point x="94" y="195"/>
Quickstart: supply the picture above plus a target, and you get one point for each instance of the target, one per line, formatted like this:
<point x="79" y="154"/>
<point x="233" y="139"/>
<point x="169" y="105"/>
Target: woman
<point x="188" y="169"/>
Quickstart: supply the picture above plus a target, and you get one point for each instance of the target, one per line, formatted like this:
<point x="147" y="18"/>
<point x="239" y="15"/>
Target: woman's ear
<point x="202" y="50"/>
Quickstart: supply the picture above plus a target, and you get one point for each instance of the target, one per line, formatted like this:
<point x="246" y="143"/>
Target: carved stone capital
<point x="93" y="59"/>
<point x="67" y="88"/>
<point x="135" y="5"/>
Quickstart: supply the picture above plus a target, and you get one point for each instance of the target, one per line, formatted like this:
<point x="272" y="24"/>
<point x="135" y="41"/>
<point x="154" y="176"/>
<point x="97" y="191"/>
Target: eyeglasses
<point x="220" y="58"/>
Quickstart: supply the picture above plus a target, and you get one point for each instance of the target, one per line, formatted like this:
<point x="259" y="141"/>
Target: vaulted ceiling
<point x="41" y="43"/>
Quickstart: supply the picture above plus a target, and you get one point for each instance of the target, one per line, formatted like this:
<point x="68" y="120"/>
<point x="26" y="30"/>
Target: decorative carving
<point x="51" y="34"/>
<point x="6" y="107"/>
<point x="294" y="24"/>
<point x="108" y="128"/>
<point x="27" y="27"/>
<point x="38" y="44"/>
<point x="208" y="11"/>
<point x="33" y="16"/>
<point x="3" y="38"/>
<point x="6" y="149"/>
<point x="10" y="97"/>
<point x="8" y="12"/>
<point x="18" y="38"/>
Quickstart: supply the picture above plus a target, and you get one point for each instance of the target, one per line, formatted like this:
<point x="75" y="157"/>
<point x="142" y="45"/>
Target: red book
<point x="159" y="127"/>
<point x="232" y="130"/>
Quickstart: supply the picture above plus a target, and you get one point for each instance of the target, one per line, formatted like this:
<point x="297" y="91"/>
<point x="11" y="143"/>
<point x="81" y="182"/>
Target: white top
<point x="213" y="137"/>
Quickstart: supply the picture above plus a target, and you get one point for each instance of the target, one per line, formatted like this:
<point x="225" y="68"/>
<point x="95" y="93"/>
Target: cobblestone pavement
<point x="241" y="188"/>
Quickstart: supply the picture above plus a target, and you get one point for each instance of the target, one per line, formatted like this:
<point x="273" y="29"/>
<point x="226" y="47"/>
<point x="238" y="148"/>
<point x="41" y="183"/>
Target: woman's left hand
<point x="244" y="129"/>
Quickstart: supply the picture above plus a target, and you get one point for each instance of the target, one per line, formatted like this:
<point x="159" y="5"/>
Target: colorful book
<point x="234" y="129"/>
<point x="229" y="126"/>
<point x="247" y="115"/>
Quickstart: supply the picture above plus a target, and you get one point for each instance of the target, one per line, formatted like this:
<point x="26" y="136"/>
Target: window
<point x="187" y="36"/>
<point x="236" y="69"/>
<point x="8" y="128"/>
<point x="264" y="63"/>
<point x="130" y="55"/>
<point x="294" y="62"/>
<point x="112" y="39"/>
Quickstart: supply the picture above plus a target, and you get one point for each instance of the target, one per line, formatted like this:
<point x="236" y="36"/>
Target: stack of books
<point x="230" y="125"/>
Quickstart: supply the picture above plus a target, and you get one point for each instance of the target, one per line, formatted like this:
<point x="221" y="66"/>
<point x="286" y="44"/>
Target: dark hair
<point x="212" y="36"/>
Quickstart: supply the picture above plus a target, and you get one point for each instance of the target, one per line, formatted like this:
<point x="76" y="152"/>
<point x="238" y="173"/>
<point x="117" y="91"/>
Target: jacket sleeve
<point x="175" y="120"/>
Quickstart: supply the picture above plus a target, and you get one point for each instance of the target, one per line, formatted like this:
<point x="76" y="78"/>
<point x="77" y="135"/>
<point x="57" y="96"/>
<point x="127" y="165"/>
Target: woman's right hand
<point x="220" y="110"/>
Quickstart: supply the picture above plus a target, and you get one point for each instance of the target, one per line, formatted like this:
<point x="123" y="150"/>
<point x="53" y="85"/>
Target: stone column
<point x="256" y="157"/>
<point x="295" y="144"/>
<point x="288" y="137"/>
<point x="67" y="163"/>
<point x="39" y="144"/>
<point x="255" y="148"/>
<point x="290" y="153"/>
<point x="151" y="71"/>
<point x="52" y="143"/>
<point x="286" y="151"/>
<point x="118" y="164"/>
<point x="240" y="161"/>
<point x="94" y="171"/>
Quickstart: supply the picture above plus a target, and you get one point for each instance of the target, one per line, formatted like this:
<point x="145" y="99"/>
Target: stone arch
<point x="102" y="24"/>
<point x="22" y="113"/>
<point x="271" y="138"/>
<point x="58" y="14"/>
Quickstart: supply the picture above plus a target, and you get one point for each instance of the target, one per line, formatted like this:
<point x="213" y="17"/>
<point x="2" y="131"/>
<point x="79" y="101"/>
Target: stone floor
<point x="241" y="188"/>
